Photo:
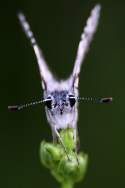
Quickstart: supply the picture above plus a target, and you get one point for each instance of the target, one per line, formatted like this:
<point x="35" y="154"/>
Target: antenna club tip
<point x="13" y="108"/>
<point x="111" y="98"/>
<point x="106" y="100"/>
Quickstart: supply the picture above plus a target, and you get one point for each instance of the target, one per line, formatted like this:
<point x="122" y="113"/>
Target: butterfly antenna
<point x="97" y="99"/>
<point x="20" y="107"/>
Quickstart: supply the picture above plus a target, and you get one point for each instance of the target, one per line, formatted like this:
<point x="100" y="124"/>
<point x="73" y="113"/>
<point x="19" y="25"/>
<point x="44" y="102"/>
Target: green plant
<point x="66" y="170"/>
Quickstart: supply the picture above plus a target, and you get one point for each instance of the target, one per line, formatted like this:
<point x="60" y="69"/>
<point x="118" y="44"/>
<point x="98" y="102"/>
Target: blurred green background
<point x="57" y="26"/>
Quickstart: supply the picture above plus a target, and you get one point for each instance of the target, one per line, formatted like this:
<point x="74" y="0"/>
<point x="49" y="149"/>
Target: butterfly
<point x="61" y="97"/>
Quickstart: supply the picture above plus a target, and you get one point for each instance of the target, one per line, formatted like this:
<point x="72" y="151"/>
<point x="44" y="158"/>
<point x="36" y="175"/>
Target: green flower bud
<point x="73" y="170"/>
<point x="66" y="166"/>
<point x="50" y="154"/>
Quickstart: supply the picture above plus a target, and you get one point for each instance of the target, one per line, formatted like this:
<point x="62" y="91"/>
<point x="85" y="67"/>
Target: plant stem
<point x="67" y="184"/>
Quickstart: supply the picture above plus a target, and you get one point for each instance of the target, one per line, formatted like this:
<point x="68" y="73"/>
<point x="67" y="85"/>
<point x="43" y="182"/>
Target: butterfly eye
<point x="48" y="102"/>
<point x="72" y="100"/>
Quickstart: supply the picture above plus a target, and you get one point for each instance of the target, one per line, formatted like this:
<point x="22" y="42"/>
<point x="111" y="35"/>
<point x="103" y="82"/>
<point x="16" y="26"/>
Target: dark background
<point x="57" y="26"/>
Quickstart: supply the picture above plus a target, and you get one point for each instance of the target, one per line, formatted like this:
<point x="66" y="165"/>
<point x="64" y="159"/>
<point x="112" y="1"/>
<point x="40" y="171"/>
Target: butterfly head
<point x="60" y="102"/>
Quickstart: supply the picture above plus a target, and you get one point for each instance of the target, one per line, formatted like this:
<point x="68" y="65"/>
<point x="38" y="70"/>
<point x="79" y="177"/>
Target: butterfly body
<point x="61" y="110"/>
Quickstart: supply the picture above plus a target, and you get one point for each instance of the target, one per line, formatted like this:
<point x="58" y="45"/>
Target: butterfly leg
<point x="61" y="142"/>
<point x="75" y="137"/>
<point x="54" y="135"/>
